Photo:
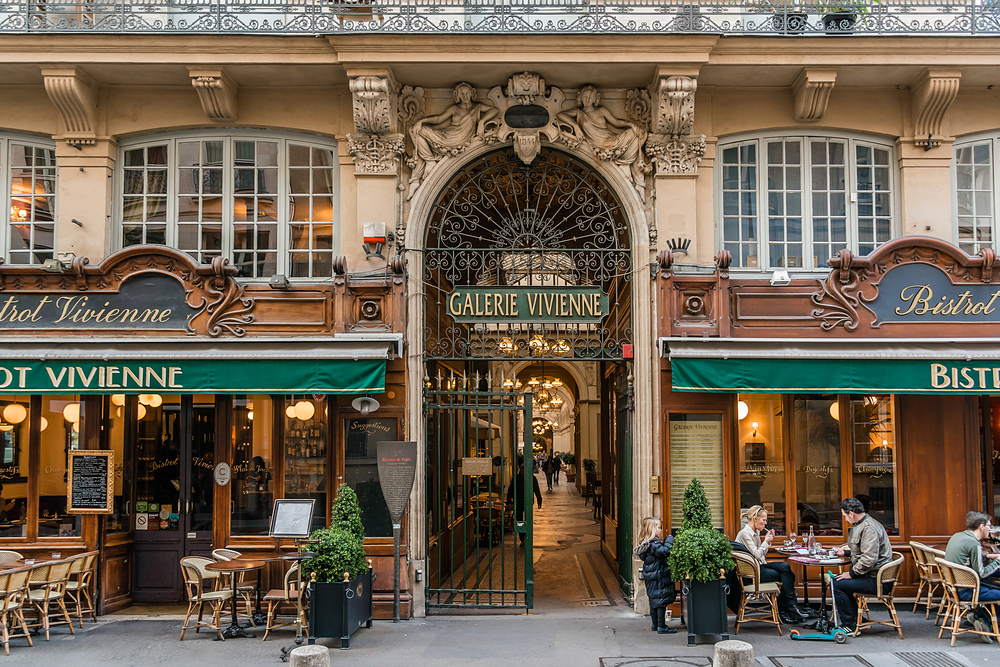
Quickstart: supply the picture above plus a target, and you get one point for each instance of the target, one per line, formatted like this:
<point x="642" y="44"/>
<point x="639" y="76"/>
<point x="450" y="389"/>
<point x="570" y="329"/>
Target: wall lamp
<point x="365" y="405"/>
<point x="376" y="238"/>
<point x="278" y="281"/>
<point x="780" y="277"/>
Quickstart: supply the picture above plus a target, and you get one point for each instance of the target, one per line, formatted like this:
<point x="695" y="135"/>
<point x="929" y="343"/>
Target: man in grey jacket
<point x="869" y="549"/>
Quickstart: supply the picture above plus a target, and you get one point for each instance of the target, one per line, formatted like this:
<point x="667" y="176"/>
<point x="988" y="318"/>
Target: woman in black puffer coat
<point x="653" y="552"/>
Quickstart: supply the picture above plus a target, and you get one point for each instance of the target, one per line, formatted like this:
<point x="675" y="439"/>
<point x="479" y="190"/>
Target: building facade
<point x="661" y="239"/>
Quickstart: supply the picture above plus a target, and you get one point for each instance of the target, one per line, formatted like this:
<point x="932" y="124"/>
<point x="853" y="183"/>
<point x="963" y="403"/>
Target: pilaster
<point x="83" y="223"/>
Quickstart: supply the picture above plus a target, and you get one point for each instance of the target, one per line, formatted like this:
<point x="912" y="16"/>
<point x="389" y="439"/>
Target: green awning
<point x="963" y="366"/>
<point x="134" y="366"/>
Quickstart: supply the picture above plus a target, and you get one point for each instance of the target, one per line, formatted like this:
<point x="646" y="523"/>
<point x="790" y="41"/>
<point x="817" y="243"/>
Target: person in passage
<point x="749" y="537"/>
<point x="869" y="549"/>
<point x="653" y="551"/>
<point x="547" y="469"/>
<point x="966" y="548"/>
<point x="515" y="494"/>
<point x="556" y="467"/>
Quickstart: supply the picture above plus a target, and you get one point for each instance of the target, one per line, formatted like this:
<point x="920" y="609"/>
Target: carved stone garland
<point x="376" y="143"/>
<point x="675" y="151"/>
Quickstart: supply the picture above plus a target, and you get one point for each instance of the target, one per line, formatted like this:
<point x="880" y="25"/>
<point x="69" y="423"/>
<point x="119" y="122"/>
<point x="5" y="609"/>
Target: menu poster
<point x="292" y="518"/>
<point x="91" y="482"/>
<point x="397" y="464"/>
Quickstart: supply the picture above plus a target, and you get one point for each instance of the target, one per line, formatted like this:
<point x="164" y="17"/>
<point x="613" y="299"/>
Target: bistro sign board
<point x="570" y="303"/>
<point x="918" y="292"/>
<point x="145" y="301"/>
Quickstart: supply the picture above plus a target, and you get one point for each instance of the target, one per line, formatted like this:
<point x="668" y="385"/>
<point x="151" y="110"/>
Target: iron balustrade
<point x="318" y="17"/>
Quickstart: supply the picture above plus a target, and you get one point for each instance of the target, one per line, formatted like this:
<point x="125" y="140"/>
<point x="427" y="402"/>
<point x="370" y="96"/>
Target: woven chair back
<point x="225" y="554"/>
<point x="887" y="575"/>
<point x="747" y="567"/>
<point x="7" y="556"/>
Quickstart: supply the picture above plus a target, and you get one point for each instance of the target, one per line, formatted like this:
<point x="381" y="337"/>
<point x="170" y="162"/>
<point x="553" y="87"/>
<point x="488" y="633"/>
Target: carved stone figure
<point x="450" y="132"/>
<point x="613" y="139"/>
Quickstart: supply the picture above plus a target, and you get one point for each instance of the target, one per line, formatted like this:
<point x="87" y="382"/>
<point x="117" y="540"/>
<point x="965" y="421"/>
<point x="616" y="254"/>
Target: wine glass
<point x="791" y="539"/>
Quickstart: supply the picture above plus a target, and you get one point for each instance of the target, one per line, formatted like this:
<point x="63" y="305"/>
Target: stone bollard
<point x="317" y="656"/>
<point x="733" y="653"/>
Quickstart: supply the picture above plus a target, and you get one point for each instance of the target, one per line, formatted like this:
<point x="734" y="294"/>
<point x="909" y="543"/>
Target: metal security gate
<point x="479" y="495"/>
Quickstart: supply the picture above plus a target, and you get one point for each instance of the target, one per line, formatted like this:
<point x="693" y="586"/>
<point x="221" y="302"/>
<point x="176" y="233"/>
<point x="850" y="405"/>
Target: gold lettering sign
<point x="918" y="292"/>
<point x="528" y="304"/>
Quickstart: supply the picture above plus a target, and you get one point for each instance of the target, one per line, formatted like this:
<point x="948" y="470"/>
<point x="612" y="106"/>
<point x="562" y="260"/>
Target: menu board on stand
<point x="91" y="483"/>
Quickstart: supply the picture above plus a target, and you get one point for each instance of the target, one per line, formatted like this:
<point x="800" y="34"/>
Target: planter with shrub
<point x="340" y="577"/>
<point x="569" y="459"/>
<point x="700" y="556"/>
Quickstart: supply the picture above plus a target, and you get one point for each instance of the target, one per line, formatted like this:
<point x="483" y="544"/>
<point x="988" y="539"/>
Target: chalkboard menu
<point x="91" y="482"/>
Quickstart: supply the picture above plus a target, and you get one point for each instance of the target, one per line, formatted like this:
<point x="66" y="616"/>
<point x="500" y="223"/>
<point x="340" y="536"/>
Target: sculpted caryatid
<point x="614" y="139"/>
<point x="450" y="132"/>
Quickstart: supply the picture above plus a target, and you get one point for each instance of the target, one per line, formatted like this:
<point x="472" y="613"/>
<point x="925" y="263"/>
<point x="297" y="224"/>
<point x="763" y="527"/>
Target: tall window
<point x="975" y="194"/>
<point x="29" y="203"/>
<point x="794" y="202"/>
<point x="266" y="203"/>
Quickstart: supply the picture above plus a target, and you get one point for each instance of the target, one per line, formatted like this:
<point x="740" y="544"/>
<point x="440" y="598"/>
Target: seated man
<point x="869" y="549"/>
<point x="966" y="549"/>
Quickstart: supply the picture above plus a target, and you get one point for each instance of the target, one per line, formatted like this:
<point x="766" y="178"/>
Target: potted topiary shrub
<point x="700" y="556"/>
<point x="569" y="458"/>
<point x="340" y="578"/>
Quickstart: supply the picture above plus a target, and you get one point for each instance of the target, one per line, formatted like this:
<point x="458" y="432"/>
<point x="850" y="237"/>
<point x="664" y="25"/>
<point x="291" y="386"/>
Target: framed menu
<point x="91" y="482"/>
<point x="292" y="518"/>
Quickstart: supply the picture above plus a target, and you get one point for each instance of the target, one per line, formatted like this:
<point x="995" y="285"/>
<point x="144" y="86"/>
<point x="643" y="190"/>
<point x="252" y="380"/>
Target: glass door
<point x="175" y="458"/>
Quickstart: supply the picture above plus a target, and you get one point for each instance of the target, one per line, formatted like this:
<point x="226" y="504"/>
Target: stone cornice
<point x="933" y="93"/>
<point x="216" y="91"/>
<point x="812" y="93"/>
<point x="73" y="94"/>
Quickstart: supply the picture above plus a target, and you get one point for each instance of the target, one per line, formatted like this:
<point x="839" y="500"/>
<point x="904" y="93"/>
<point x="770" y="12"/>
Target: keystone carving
<point x="812" y="90"/>
<point x="72" y="92"/>
<point x="376" y="143"/>
<point x="217" y="93"/>
<point x="933" y="93"/>
<point x="526" y="88"/>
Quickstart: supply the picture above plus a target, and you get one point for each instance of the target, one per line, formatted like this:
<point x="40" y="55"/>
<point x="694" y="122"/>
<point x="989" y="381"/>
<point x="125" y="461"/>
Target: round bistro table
<point x="232" y="568"/>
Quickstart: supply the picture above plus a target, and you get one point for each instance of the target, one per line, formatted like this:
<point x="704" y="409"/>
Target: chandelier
<point x="543" y="390"/>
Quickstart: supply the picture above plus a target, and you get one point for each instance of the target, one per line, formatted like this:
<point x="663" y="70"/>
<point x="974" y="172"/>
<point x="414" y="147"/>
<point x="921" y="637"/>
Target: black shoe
<point x="793" y="611"/>
<point x="807" y="612"/>
<point x="787" y="618"/>
<point x="666" y="631"/>
<point x="653" y="628"/>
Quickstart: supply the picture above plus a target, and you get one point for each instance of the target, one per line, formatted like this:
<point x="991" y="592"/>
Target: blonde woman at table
<point x="749" y="537"/>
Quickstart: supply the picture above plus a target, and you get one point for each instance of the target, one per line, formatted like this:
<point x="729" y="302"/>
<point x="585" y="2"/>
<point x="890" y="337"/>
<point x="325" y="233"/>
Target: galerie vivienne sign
<point x="578" y="304"/>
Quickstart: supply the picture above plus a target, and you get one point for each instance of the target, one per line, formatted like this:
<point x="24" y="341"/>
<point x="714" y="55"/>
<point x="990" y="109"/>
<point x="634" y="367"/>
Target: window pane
<point x="696" y="451"/>
<point x="157" y="481"/>
<point x="253" y="465"/>
<point x="14" y="466"/>
<point x="306" y="452"/>
<point x="61" y="435"/>
<point x="32" y="201"/>
<point x="875" y="455"/>
<point x="816" y="437"/>
<point x="361" y="469"/>
<point x="761" y="454"/>
<point x="974" y="194"/>
<point x="120" y="520"/>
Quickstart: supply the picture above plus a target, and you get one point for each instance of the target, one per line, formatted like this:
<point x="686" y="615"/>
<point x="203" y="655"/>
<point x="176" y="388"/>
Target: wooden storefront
<point x="179" y="368"/>
<point x="879" y="380"/>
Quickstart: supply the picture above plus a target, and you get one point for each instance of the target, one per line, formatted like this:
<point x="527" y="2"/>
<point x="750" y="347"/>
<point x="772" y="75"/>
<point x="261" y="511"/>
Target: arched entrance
<point x="521" y="265"/>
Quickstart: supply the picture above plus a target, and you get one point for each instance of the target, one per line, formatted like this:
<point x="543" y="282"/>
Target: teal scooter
<point x="826" y="630"/>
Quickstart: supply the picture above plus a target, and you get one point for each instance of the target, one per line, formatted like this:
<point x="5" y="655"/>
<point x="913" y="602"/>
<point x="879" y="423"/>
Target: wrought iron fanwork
<point x="314" y="17"/>
<point x="502" y="223"/>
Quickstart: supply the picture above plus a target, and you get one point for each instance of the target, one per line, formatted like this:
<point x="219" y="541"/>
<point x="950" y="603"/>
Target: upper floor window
<point x="794" y="202"/>
<point x="29" y="200"/>
<point x="975" y="195"/>
<point x="266" y="203"/>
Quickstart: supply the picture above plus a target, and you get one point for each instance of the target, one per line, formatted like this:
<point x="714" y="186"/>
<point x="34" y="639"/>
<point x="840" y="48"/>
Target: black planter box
<point x="706" y="609"/>
<point x="338" y="608"/>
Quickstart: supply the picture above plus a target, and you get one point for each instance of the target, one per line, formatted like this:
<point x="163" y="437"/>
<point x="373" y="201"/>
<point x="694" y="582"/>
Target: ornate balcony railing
<point x="320" y="17"/>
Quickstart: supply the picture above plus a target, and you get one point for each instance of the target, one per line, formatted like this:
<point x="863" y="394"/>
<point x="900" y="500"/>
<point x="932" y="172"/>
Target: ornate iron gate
<point x="502" y="228"/>
<point x="478" y="528"/>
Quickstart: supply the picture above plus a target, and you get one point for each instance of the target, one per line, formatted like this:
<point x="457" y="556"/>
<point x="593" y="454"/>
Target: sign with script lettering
<point x="397" y="465"/>
<point x="918" y="292"/>
<point x="570" y="303"/>
<point x="145" y="301"/>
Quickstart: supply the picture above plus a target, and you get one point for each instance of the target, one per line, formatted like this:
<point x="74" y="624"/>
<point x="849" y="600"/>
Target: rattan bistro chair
<point x="277" y="597"/>
<point x="13" y="598"/>
<point x="246" y="591"/>
<point x="748" y="569"/>
<point x="47" y="594"/>
<point x="885" y="581"/>
<point x="957" y="578"/>
<point x="7" y="557"/>
<point x="194" y="582"/>
<point x="81" y="573"/>
<point x="930" y="580"/>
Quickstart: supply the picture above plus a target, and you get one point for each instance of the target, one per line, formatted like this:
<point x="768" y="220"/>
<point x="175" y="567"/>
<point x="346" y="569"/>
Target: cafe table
<point x="232" y="568"/>
<point x="823" y="623"/>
